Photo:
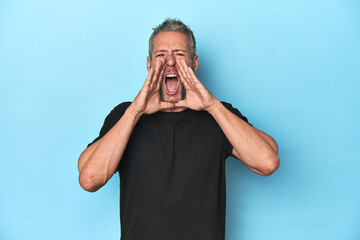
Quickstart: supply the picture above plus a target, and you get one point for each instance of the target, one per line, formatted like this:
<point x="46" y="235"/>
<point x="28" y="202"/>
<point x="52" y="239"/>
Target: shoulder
<point x="234" y="110"/>
<point x="229" y="106"/>
<point x="122" y="106"/>
<point x="118" y="111"/>
<point x="226" y="104"/>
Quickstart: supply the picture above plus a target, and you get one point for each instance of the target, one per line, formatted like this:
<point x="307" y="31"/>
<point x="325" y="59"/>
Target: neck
<point x="175" y="109"/>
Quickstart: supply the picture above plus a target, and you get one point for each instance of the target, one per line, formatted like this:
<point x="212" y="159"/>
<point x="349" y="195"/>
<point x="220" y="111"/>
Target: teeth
<point x="171" y="75"/>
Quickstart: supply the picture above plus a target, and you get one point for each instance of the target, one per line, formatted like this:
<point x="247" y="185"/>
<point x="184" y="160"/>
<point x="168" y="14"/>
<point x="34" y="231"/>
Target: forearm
<point x="99" y="161"/>
<point x="254" y="148"/>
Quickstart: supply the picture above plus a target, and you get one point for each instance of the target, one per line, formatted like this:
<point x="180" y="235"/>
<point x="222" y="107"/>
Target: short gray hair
<point x="174" y="25"/>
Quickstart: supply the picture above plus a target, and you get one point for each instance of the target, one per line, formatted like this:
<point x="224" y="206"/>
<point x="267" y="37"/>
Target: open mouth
<point x="171" y="83"/>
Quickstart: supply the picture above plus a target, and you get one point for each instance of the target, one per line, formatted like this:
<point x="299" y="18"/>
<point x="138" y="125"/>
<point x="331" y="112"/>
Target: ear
<point x="196" y="63"/>
<point x="148" y="64"/>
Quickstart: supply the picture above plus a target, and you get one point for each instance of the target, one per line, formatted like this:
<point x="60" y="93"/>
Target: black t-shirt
<point x="172" y="176"/>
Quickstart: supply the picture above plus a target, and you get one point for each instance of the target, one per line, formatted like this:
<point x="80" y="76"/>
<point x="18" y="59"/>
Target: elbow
<point x="276" y="148"/>
<point x="88" y="183"/>
<point x="272" y="165"/>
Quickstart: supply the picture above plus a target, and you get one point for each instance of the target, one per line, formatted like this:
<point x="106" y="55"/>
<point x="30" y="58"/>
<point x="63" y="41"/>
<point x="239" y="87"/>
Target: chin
<point x="173" y="98"/>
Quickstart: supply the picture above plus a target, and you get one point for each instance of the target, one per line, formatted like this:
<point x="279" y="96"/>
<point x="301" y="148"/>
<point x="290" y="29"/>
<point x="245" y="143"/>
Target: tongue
<point x="171" y="84"/>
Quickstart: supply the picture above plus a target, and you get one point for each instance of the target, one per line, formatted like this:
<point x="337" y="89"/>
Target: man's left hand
<point x="197" y="96"/>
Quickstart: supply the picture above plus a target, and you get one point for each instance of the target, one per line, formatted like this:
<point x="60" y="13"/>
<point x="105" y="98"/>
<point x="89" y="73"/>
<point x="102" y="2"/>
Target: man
<point x="170" y="145"/>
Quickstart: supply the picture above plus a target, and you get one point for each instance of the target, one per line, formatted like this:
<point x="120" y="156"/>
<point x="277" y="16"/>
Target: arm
<point x="99" y="161"/>
<point x="254" y="148"/>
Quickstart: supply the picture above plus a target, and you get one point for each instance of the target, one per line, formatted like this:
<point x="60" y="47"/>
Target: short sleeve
<point x="112" y="118"/>
<point x="235" y="111"/>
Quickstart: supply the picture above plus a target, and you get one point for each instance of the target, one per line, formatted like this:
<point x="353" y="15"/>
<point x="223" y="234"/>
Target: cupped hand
<point x="148" y="99"/>
<point x="197" y="96"/>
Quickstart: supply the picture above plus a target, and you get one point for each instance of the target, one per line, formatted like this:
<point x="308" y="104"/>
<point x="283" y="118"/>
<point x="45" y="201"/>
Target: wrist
<point x="133" y="113"/>
<point x="214" y="106"/>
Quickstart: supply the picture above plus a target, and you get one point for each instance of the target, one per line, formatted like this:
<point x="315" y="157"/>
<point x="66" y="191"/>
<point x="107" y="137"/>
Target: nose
<point x="170" y="59"/>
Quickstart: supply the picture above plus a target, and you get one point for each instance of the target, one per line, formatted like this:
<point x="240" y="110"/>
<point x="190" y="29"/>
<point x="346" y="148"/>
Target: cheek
<point x="188" y="62"/>
<point x="153" y="61"/>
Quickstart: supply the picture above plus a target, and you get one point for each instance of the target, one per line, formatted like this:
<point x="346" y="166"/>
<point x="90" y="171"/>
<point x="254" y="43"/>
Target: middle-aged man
<point x="169" y="146"/>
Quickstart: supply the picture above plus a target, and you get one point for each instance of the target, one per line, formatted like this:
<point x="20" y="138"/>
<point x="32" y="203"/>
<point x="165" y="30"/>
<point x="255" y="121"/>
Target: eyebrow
<point x="175" y="50"/>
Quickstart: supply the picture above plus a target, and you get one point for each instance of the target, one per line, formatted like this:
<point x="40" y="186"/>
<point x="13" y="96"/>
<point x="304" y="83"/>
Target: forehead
<point x="170" y="40"/>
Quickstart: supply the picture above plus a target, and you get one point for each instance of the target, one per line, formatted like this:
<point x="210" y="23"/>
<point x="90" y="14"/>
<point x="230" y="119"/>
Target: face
<point x="169" y="46"/>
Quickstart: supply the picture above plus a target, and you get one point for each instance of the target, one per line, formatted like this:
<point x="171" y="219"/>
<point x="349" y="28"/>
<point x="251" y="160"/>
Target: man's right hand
<point x="148" y="100"/>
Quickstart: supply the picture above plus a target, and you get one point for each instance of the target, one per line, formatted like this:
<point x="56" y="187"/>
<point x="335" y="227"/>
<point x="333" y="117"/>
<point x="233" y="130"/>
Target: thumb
<point x="181" y="103"/>
<point x="166" y="105"/>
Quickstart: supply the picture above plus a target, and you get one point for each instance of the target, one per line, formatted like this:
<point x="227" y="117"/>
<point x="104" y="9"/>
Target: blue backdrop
<point x="291" y="67"/>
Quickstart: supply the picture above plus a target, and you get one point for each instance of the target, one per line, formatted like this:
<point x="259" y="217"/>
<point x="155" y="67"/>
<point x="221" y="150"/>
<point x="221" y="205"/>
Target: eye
<point x="160" y="55"/>
<point x="179" y="54"/>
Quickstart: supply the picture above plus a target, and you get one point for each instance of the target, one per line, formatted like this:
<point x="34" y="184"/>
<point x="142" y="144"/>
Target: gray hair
<point x="174" y="25"/>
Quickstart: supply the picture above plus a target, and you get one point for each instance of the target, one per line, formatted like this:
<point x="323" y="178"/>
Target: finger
<point x="189" y="72"/>
<point x="179" y="65"/>
<point x="149" y="77"/>
<point x="157" y="70"/>
<point x="181" y="68"/>
<point x="157" y="64"/>
<point x="185" y="67"/>
<point x="183" y="80"/>
<point x="159" y="78"/>
<point x="182" y="73"/>
<point x="192" y="75"/>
